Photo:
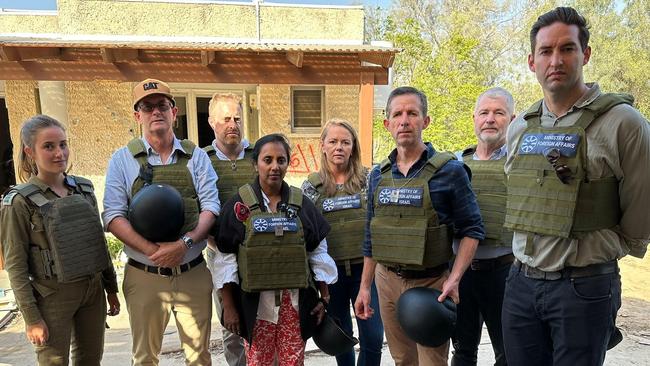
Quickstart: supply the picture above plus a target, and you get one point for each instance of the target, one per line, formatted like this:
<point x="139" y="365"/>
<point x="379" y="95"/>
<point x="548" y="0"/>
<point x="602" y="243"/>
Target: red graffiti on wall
<point x="299" y="163"/>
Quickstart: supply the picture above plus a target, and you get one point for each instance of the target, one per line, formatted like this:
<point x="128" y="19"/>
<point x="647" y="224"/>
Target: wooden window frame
<point x="302" y="129"/>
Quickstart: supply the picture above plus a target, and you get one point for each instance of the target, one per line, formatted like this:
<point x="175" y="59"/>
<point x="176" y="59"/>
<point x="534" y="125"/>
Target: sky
<point x="51" y="4"/>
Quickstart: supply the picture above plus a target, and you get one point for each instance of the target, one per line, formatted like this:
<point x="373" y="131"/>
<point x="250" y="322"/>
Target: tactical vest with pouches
<point x="232" y="173"/>
<point x="539" y="203"/>
<point x="176" y="175"/>
<point x="273" y="255"/>
<point x="74" y="245"/>
<point x="405" y="229"/>
<point x="489" y="185"/>
<point x="346" y="215"/>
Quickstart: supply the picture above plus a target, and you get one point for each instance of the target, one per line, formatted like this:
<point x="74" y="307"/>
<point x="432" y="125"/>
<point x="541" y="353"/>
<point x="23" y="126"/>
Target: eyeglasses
<point x="148" y="108"/>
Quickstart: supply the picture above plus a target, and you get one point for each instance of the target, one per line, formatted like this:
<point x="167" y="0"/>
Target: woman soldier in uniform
<point x="55" y="251"/>
<point x="279" y="238"/>
<point x="338" y="190"/>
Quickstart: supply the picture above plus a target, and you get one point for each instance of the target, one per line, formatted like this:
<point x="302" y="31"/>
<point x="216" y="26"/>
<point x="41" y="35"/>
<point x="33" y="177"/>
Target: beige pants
<point x="151" y="299"/>
<point x="404" y="351"/>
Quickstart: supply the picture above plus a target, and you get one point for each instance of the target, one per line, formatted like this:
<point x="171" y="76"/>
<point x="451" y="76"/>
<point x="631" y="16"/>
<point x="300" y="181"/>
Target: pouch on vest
<point x="273" y="256"/>
<point x="346" y="215"/>
<point x="232" y="174"/>
<point x="405" y="230"/>
<point x="539" y="201"/>
<point x="176" y="175"/>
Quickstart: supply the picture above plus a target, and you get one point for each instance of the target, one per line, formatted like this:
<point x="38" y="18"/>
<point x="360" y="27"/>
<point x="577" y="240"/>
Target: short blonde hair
<point x="222" y="97"/>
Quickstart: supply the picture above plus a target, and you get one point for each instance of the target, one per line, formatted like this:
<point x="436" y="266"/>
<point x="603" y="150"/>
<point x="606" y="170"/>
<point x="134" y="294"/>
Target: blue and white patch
<point x="539" y="143"/>
<point x="401" y="196"/>
<point x="8" y="198"/>
<point x="342" y="203"/>
<point x="269" y="224"/>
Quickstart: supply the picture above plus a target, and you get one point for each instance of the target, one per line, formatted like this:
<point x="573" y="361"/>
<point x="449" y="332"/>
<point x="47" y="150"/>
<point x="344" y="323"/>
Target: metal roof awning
<point x="188" y="60"/>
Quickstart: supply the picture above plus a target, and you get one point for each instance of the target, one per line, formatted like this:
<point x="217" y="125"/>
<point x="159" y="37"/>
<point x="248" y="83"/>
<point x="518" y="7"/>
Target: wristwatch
<point x="189" y="242"/>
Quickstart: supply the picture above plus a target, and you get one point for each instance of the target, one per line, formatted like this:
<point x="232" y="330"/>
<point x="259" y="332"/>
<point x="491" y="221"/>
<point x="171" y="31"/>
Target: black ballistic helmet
<point x="157" y="213"/>
<point x="331" y="339"/>
<point x="424" y="319"/>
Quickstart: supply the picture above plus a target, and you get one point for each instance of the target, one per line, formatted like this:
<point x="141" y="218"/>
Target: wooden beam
<point x="37" y="53"/>
<point x="382" y="59"/>
<point x="295" y="58"/>
<point x="208" y="57"/>
<point x="366" y="104"/>
<point x="9" y="54"/>
<point x="111" y="55"/>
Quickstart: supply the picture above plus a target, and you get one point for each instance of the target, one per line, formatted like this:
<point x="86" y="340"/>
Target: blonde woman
<point x="339" y="192"/>
<point x="55" y="251"/>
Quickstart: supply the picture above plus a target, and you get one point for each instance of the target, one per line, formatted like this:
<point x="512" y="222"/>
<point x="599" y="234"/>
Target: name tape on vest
<point x="342" y="203"/>
<point x="269" y="224"/>
<point x="401" y="196"/>
<point x="539" y="143"/>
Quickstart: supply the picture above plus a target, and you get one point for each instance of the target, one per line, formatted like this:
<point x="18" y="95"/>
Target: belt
<point x="567" y="272"/>
<point x="166" y="271"/>
<point x="491" y="263"/>
<point x="415" y="274"/>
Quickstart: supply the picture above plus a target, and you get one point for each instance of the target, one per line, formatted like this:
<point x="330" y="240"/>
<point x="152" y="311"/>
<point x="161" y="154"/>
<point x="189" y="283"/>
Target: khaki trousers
<point x="404" y="351"/>
<point x="152" y="298"/>
<point x="75" y="316"/>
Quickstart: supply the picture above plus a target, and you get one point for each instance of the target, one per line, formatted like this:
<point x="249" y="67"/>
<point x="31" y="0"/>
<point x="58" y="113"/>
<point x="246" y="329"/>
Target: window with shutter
<point x="307" y="107"/>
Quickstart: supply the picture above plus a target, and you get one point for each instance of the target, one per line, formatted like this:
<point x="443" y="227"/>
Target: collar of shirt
<point x="426" y="155"/>
<point x="496" y="155"/>
<point x="221" y="156"/>
<point x="593" y="92"/>
<point x="176" y="146"/>
<point x="68" y="181"/>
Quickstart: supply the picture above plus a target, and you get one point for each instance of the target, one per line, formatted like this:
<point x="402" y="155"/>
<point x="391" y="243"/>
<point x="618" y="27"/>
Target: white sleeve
<point x="322" y="264"/>
<point x="225" y="269"/>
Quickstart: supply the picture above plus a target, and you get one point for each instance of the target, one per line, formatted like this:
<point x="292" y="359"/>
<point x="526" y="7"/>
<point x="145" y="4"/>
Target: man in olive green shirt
<point x="577" y="169"/>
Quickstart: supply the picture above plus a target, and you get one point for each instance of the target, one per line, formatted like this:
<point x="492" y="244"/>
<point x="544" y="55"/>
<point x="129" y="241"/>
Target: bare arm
<point x="362" y="304"/>
<point x="466" y="250"/>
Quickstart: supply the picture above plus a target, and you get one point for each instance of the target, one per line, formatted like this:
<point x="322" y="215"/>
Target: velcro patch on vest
<point x="539" y="143"/>
<point x="8" y="198"/>
<point x="342" y="203"/>
<point x="275" y="224"/>
<point x="401" y="196"/>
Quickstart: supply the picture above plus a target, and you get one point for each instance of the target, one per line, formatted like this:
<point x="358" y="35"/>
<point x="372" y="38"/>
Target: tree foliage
<point x="454" y="50"/>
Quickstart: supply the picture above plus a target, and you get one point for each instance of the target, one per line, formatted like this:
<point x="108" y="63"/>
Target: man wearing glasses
<point x="172" y="277"/>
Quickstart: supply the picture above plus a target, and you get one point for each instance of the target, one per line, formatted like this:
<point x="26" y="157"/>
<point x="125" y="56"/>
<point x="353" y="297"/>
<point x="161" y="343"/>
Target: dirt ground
<point x="632" y="319"/>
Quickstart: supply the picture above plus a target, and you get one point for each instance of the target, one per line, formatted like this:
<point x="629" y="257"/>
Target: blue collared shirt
<point x="451" y="196"/>
<point x="486" y="252"/>
<point x="123" y="170"/>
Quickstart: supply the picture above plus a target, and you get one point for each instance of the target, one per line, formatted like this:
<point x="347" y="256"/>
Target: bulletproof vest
<point x="538" y="200"/>
<point x="75" y="245"/>
<point x="489" y="185"/>
<point x="232" y="173"/>
<point x="405" y="229"/>
<point x="176" y="175"/>
<point x="346" y="215"/>
<point x="273" y="255"/>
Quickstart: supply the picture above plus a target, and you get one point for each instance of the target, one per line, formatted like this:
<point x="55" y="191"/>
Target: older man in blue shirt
<point x="171" y="277"/>
<point x="415" y="181"/>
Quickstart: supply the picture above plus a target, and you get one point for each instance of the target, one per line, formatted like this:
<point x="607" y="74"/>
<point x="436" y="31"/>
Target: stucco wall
<point x="22" y="103"/>
<point x="275" y="117"/>
<point x="14" y="23"/>
<point x="311" y="23"/>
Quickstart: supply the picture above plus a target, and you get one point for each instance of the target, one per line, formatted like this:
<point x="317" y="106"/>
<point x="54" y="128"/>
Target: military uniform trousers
<point x="75" y="315"/>
<point x="233" y="345"/>
<point x="406" y="352"/>
<point x="152" y="298"/>
<point x="562" y="322"/>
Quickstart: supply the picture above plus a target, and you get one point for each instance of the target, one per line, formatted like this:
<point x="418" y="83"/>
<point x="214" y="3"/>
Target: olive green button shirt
<point x="21" y="227"/>
<point x="618" y="145"/>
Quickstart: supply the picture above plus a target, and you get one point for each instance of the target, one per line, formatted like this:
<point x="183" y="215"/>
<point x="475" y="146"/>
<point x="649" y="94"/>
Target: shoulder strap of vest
<point x="533" y="114"/>
<point x="315" y="180"/>
<point x="32" y="193"/>
<point x="210" y="150"/>
<point x="385" y="166"/>
<point x="468" y="153"/>
<point x="189" y="147"/>
<point x="249" y="198"/>
<point x="248" y="152"/>
<point x="137" y="150"/>
<point x="85" y="185"/>
<point x="295" y="196"/>
<point x="437" y="161"/>
<point x="600" y="105"/>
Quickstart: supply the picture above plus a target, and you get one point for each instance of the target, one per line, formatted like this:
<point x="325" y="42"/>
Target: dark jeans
<point x="481" y="297"/>
<point x="371" y="332"/>
<point x="566" y="322"/>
